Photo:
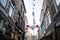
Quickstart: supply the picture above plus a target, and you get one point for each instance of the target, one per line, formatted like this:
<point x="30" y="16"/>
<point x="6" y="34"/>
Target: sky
<point x="57" y="1"/>
<point x="29" y="10"/>
<point x="3" y="2"/>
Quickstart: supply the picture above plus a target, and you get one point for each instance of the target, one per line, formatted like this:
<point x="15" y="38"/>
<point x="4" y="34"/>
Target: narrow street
<point x="29" y="19"/>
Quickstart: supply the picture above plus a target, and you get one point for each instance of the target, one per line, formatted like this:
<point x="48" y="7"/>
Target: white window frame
<point x="47" y="18"/>
<point x="10" y="11"/>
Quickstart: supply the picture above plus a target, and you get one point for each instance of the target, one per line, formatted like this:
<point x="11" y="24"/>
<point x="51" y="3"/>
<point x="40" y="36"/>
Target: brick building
<point x="12" y="19"/>
<point x="49" y="29"/>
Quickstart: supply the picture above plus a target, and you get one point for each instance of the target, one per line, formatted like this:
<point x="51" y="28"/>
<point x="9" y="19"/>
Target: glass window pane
<point x="49" y="19"/>
<point x="10" y="11"/>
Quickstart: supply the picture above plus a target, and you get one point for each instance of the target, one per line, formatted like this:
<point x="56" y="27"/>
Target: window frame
<point x="12" y="8"/>
<point x="10" y="11"/>
<point x="47" y="18"/>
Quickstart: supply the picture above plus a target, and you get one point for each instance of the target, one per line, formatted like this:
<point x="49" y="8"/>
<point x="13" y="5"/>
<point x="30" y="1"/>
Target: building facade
<point x="12" y="21"/>
<point x="26" y="23"/>
<point x="48" y="29"/>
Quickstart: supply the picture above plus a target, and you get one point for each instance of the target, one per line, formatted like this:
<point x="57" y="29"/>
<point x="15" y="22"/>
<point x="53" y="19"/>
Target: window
<point x="21" y="8"/>
<point x="43" y="29"/>
<point x="33" y="4"/>
<point x="10" y="11"/>
<point x="47" y="20"/>
<point x="7" y="9"/>
<point x="42" y="32"/>
<point x="45" y="23"/>
<point x="3" y="2"/>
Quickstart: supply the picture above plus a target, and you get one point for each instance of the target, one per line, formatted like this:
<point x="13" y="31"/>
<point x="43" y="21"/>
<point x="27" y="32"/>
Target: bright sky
<point x="37" y="10"/>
